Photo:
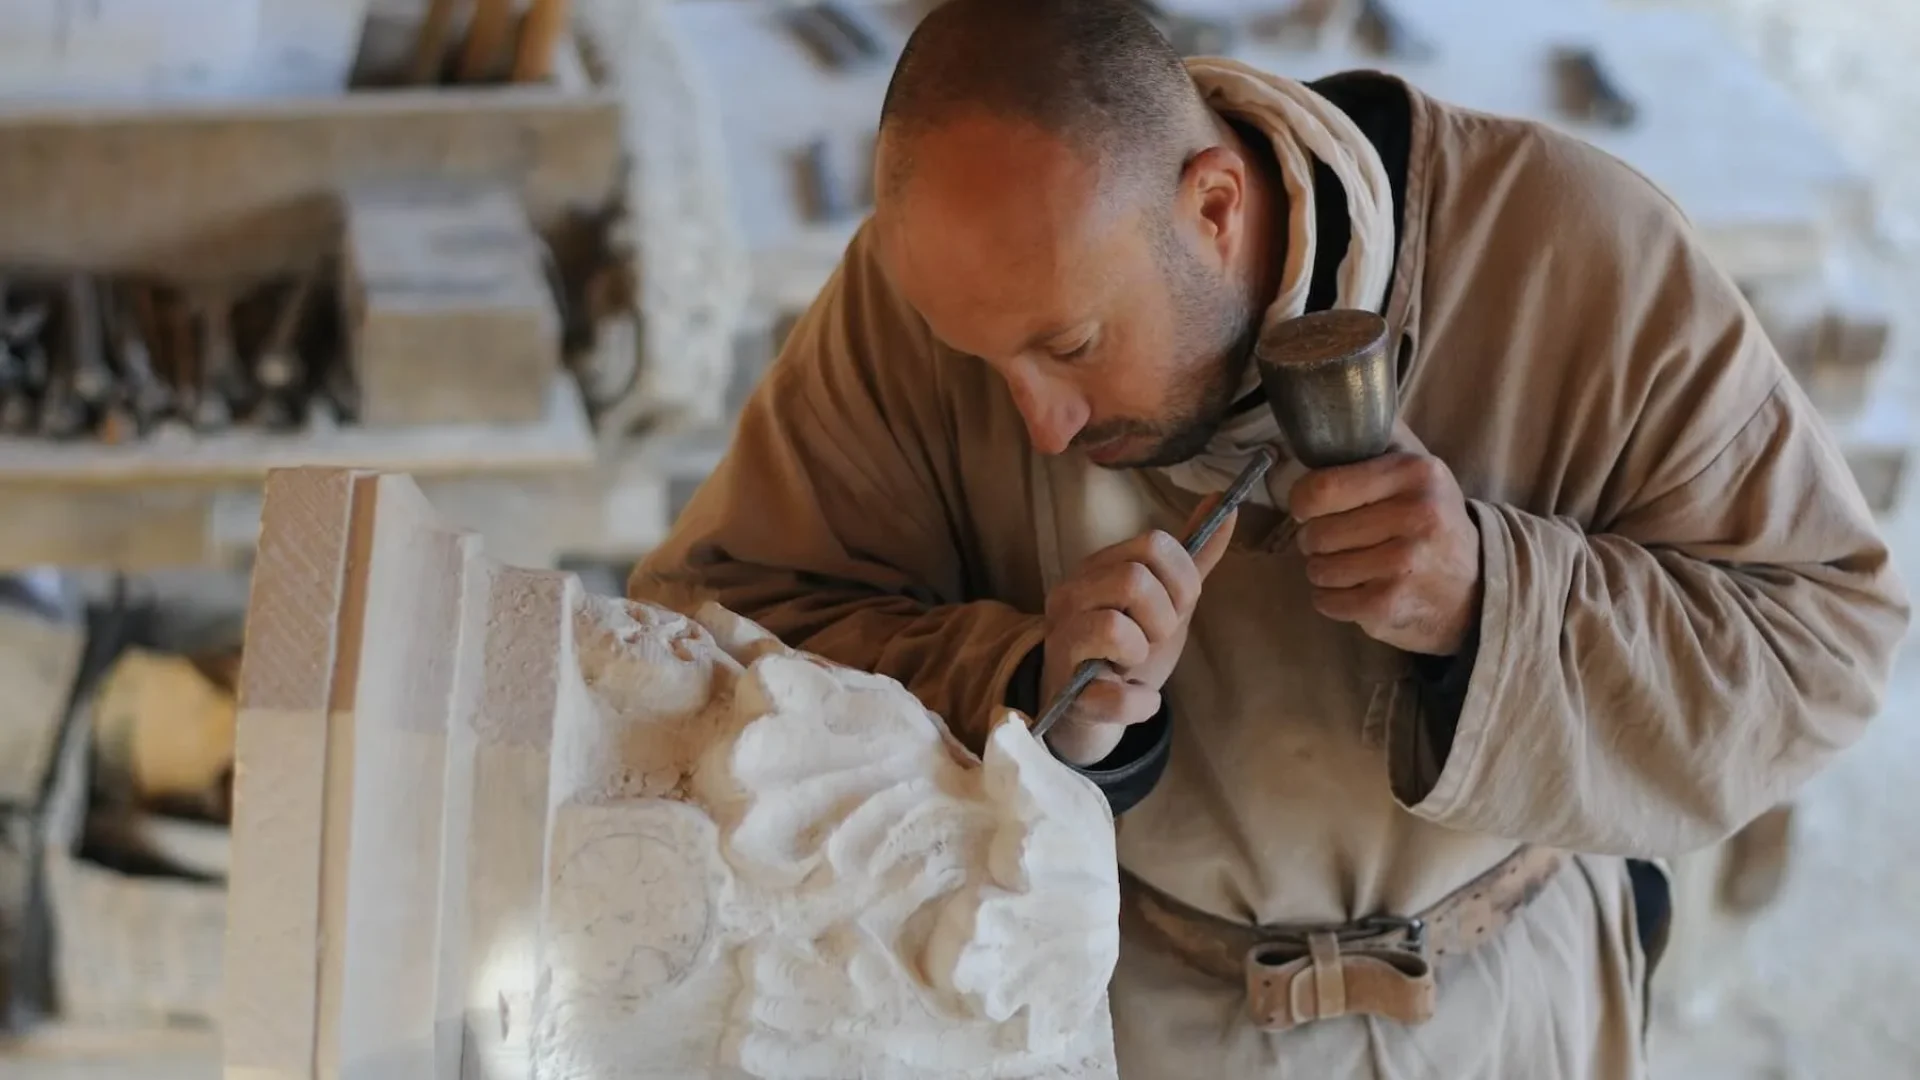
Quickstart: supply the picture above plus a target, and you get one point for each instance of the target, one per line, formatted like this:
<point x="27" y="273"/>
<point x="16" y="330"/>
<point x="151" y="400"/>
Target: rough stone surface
<point x="694" y="272"/>
<point x="761" y="864"/>
<point x="1823" y="983"/>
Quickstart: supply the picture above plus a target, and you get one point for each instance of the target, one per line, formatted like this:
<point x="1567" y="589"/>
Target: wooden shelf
<point x="562" y="440"/>
<point x="242" y="189"/>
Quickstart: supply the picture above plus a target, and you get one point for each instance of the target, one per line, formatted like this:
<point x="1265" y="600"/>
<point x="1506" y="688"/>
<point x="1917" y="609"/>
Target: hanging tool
<point x="837" y="37"/>
<point x="1330" y="382"/>
<point x="1588" y="92"/>
<point x="823" y="188"/>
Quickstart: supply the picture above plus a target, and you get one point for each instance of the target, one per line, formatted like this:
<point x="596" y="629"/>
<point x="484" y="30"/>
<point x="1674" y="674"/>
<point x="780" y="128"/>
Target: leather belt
<point x="1381" y="965"/>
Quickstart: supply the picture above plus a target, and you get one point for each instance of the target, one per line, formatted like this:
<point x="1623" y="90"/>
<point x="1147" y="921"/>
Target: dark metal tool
<point x="277" y="365"/>
<point x="1090" y="670"/>
<point x="223" y="384"/>
<point x="62" y="413"/>
<point x="93" y="380"/>
<point x="1588" y="93"/>
<point x="822" y="187"/>
<point x="837" y="36"/>
<point x="430" y="47"/>
<point x="1386" y="33"/>
<point x="852" y="25"/>
<point x="1330" y="380"/>
<point x="147" y="397"/>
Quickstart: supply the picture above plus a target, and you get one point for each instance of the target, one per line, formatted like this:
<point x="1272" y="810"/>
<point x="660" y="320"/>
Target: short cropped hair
<point x="1095" y="73"/>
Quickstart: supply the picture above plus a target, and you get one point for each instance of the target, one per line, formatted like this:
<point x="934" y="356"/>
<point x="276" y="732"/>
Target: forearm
<point x="1638" y="701"/>
<point x="956" y="658"/>
<point x="963" y="661"/>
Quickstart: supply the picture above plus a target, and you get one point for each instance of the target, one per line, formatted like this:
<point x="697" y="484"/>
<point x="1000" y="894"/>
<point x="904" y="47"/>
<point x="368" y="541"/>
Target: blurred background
<point x="536" y="254"/>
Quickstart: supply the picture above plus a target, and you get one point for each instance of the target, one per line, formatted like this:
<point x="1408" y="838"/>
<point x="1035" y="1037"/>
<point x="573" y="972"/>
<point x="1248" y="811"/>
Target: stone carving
<point x="575" y="837"/>
<point x="831" y="885"/>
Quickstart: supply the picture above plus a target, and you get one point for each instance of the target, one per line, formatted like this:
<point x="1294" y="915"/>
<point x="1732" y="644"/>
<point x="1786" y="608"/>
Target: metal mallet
<point x="1330" y="382"/>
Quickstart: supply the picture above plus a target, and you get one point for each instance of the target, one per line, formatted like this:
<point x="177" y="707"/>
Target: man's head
<point x="1054" y="197"/>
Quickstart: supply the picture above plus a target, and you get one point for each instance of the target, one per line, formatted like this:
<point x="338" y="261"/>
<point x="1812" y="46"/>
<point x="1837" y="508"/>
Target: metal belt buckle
<point x="1413" y="930"/>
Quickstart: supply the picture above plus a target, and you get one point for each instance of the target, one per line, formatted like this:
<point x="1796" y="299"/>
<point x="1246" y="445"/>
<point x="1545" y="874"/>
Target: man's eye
<point x="1076" y="352"/>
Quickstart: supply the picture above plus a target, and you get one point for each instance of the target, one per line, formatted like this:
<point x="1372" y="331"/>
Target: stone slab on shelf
<point x="199" y="191"/>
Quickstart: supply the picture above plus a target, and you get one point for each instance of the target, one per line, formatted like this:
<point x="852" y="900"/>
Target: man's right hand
<point x="1130" y="605"/>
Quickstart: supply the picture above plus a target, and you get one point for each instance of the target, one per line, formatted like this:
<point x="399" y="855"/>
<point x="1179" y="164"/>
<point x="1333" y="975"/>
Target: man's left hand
<point x="1390" y="546"/>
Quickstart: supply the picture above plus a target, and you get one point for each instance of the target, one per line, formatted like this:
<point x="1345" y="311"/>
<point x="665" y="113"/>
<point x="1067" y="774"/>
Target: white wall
<point x="153" y="49"/>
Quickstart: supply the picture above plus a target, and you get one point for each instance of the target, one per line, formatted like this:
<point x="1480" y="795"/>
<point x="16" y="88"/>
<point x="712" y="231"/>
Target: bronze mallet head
<point x="1330" y="381"/>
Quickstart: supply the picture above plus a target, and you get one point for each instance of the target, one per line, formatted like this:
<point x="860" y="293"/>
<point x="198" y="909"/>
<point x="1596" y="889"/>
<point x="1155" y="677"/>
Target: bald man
<point x="1391" y="758"/>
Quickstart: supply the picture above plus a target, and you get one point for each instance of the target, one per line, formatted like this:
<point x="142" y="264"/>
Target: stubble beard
<point x="1223" y="325"/>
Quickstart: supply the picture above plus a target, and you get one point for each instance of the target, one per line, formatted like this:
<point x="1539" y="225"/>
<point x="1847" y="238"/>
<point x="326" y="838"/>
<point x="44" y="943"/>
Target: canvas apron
<point x="1279" y="764"/>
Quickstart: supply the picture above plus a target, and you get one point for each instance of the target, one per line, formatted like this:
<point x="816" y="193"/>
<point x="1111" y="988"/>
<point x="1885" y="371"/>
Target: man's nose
<point x="1054" y="413"/>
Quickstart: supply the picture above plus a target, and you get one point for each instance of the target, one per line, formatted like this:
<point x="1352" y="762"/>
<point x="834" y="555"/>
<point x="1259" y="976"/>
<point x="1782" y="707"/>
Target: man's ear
<point x="1213" y="192"/>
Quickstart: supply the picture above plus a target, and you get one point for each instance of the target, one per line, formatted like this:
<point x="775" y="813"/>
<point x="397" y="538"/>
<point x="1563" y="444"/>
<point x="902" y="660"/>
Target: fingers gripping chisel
<point x="1330" y="381"/>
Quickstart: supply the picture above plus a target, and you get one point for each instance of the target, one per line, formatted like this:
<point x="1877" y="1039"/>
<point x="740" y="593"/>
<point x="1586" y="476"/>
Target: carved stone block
<point x="490" y="826"/>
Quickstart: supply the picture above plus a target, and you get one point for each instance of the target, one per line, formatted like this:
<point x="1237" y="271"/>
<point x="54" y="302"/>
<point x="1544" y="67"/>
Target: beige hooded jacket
<point x="1687" y="610"/>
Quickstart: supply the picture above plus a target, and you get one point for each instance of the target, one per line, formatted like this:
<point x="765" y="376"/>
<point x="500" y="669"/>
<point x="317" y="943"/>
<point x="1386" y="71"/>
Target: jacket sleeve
<point x="830" y="519"/>
<point x="1648" y="683"/>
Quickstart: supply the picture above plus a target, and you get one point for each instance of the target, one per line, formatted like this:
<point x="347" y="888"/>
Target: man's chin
<point x="1123" y="457"/>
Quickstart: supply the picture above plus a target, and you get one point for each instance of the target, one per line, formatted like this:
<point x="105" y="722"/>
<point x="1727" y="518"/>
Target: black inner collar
<point x="1380" y="108"/>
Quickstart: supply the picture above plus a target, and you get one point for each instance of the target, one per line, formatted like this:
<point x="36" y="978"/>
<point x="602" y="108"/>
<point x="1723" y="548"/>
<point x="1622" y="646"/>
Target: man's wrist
<point x="1127" y="772"/>
<point x="1450" y="673"/>
<point x="1442" y="683"/>
<point x="1084" y="746"/>
<point x="1023" y="686"/>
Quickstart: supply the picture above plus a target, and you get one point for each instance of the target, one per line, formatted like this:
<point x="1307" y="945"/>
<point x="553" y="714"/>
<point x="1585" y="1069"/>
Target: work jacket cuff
<point x="1124" y="776"/>
<point x="1441" y="683"/>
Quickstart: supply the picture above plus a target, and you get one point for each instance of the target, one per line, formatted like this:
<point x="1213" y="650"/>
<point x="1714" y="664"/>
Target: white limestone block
<point x="831" y="885"/>
<point x="491" y="827"/>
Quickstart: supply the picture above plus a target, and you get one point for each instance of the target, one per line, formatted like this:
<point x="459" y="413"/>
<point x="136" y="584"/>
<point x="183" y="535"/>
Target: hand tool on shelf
<point x="484" y="52"/>
<point x="540" y="31"/>
<point x="93" y="380"/>
<point x="223" y="386"/>
<point x="430" y="47"/>
<point x="147" y="397"/>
